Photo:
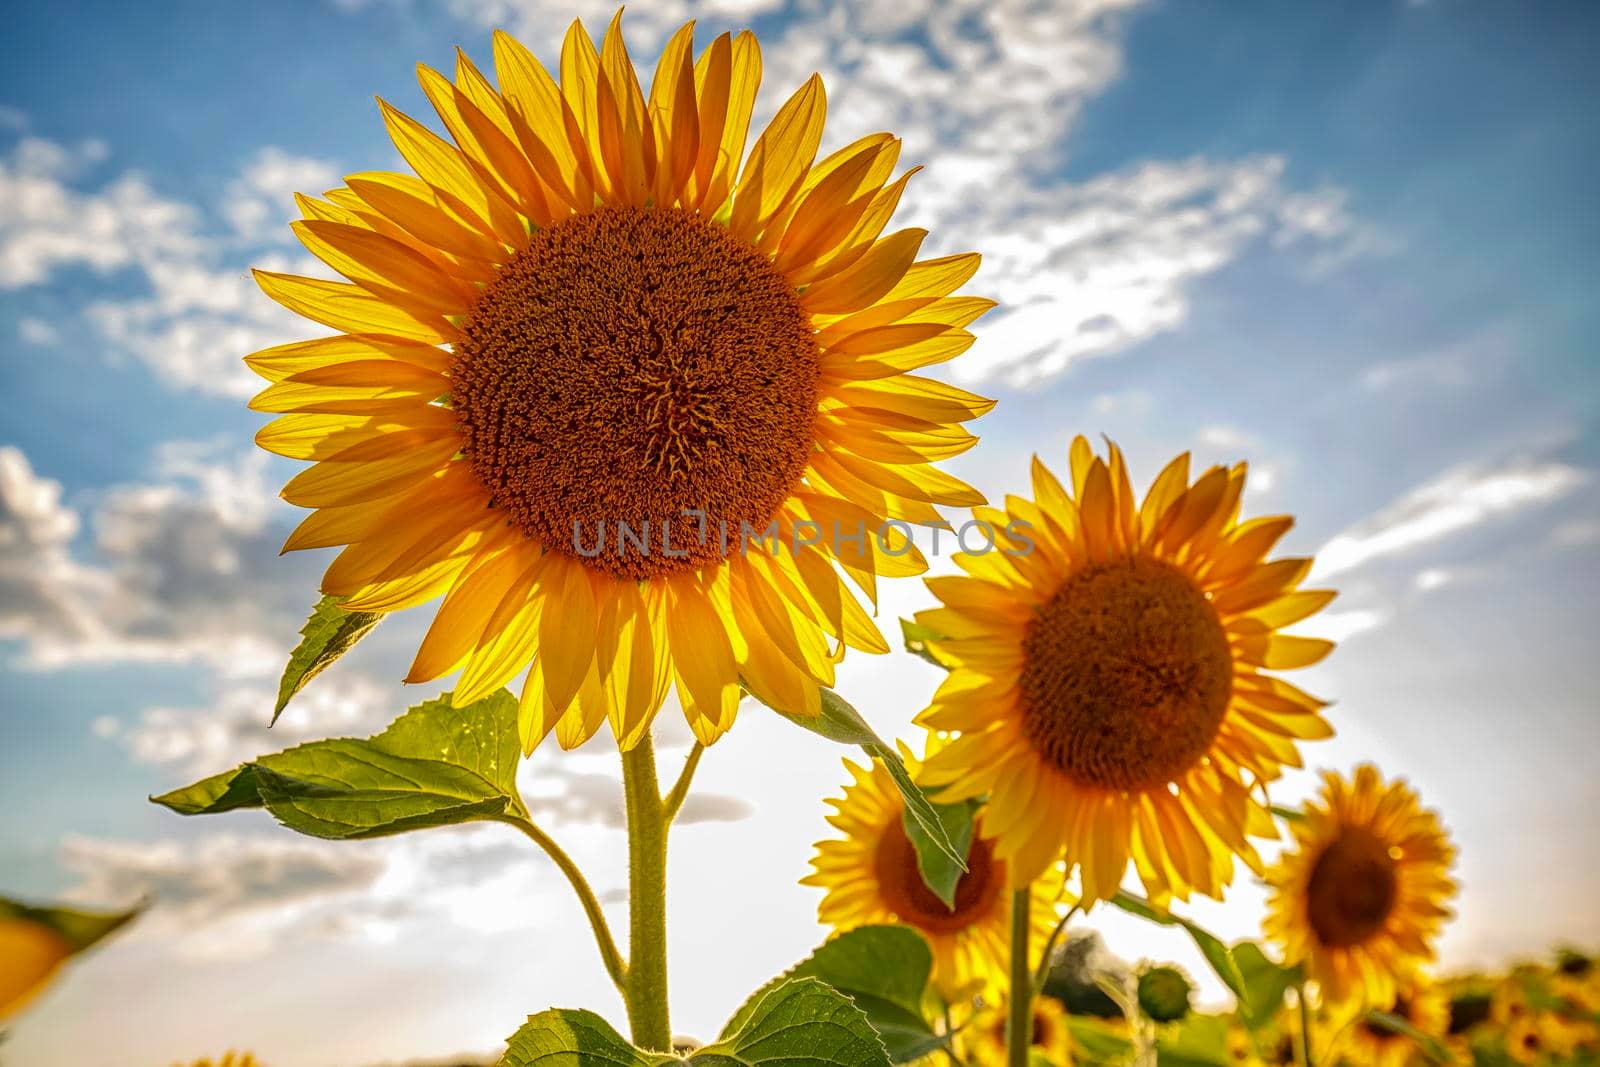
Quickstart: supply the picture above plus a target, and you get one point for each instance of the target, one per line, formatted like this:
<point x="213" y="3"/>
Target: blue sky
<point x="1355" y="245"/>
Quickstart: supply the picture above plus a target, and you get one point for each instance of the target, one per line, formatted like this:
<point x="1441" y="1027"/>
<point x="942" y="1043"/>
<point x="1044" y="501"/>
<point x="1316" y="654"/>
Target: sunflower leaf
<point x="885" y="971"/>
<point x="566" y="1037"/>
<point x="798" y="1020"/>
<point x="329" y="633"/>
<point x="1210" y="945"/>
<point x="1198" y="1041"/>
<point x="1265" y="982"/>
<point x="939" y="874"/>
<point x="840" y="722"/>
<point x="434" y="766"/>
<point x="917" y="637"/>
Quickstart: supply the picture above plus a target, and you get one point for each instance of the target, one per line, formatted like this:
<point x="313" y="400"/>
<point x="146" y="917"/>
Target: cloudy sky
<point x="1355" y="245"/>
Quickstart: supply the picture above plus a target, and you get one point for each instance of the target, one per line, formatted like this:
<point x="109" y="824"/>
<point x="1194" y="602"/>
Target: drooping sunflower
<point x="1360" y="898"/>
<point x="1422" y="1005"/>
<point x="983" y="1042"/>
<point x="871" y="876"/>
<point x="1108" y="676"/>
<point x="596" y="364"/>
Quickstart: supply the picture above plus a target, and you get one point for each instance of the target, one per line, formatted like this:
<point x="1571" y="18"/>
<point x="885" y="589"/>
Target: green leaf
<point x="917" y="637"/>
<point x="1265" y="982"/>
<point x="1198" y="1041"/>
<point x="1288" y="814"/>
<point x="1211" y="947"/>
<point x="885" y="971"/>
<point x="329" y="633"/>
<point x="564" y="1037"/>
<point x="939" y="872"/>
<point x="801" y="1022"/>
<point x="434" y="766"/>
<point x="840" y="722"/>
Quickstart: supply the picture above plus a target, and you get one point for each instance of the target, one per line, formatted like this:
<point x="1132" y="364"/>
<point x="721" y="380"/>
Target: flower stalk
<point x="1019" y="1018"/>
<point x="646" y="989"/>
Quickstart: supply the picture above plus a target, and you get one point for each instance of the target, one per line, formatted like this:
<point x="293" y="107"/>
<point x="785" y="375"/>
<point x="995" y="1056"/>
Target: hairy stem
<point x="609" y="954"/>
<point x="646" y="992"/>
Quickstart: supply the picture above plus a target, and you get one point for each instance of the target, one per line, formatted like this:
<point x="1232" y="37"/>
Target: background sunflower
<point x="871" y="876"/>
<point x="1361" y="896"/>
<point x="1109" y="679"/>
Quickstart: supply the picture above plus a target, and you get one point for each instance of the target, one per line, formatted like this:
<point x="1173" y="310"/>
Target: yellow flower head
<point x="30" y="955"/>
<point x="229" y="1059"/>
<point x="1109" y="679"/>
<point x="871" y="876"/>
<point x="1360" y="898"/>
<point x="589" y="351"/>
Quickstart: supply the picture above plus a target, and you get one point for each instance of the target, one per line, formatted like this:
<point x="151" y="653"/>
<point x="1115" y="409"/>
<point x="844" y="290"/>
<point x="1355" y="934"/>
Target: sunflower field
<point x="630" y="401"/>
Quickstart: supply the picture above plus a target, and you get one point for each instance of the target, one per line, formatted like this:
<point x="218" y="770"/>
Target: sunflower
<point x="229" y="1059"/>
<point x="30" y="955"/>
<point x="1423" y="1006"/>
<point x="592" y="373"/>
<point x="871" y="876"/>
<point x="983" y="1041"/>
<point x="1360" y="898"/>
<point x="1107" y="676"/>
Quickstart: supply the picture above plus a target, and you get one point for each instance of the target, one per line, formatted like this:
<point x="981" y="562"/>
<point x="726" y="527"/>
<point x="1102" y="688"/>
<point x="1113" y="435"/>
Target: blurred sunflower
<point x="871" y="876"/>
<point x="983" y="1041"/>
<point x="584" y="352"/>
<point x="1361" y="897"/>
<point x="229" y="1059"/>
<point x="1107" y="676"/>
<point x="30" y="955"/>
<point x="1422" y="1005"/>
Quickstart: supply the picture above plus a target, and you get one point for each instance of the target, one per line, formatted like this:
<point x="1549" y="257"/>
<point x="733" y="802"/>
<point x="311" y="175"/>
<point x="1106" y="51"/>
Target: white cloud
<point x="37" y="332"/>
<point x="261" y="199"/>
<point x="1343" y="625"/>
<point x="200" y="311"/>
<point x="233" y="896"/>
<point x="179" y="569"/>
<point x="1455" y="501"/>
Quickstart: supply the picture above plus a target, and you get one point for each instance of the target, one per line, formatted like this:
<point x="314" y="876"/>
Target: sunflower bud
<point x="1164" y="994"/>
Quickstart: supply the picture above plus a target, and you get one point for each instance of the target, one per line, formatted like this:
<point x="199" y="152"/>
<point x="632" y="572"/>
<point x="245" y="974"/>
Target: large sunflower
<point x="1361" y="896"/>
<point x="1108" y="676"/>
<point x="587" y="357"/>
<point x="871" y="876"/>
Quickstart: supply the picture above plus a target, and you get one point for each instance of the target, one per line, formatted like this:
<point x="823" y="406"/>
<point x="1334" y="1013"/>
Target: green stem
<point x="609" y="955"/>
<point x="1019" y="1017"/>
<point x="1043" y="972"/>
<point x="646" y="992"/>
<point x="680" y="788"/>
<point x="1306" y="1059"/>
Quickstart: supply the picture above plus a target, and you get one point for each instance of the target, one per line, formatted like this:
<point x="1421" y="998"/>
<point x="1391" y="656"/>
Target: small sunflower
<point x="586" y="357"/>
<point x="871" y="876"/>
<point x="1361" y="897"/>
<point x="1108" y="676"/>
<point x="983" y="1041"/>
<point x="1424" y="1006"/>
<point x="229" y="1059"/>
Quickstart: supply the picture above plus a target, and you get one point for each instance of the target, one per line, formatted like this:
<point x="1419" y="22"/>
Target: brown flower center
<point x="629" y="364"/>
<point x="1126" y="677"/>
<point x="908" y="896"/>
<point x="1352" y="889"/>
